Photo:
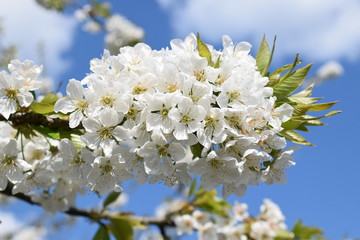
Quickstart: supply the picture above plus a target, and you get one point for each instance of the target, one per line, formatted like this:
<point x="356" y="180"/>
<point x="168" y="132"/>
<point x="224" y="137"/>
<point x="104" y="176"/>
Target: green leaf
<point x="210" y="202"/>
<point x="306" y="92"/>
<point x="217" y="64"/>
<point x="192" y="188"/>
<point x="102" y="234"/>
<point x="282" y="234"/>
<point x="321" y="106"/>
<point x="78" y="143"/>
<point x="42" y="108"/>
<point x="294" y="137"/>
<point x="291" y="124"/>
<point x="308" y="117"/>
<point x="263" y="57"/>
<point x="314" y="123"/>
<point x="289" y="84"/>
<point x="303" y="232"/>
<point x="102" y="9"/>
<point x="121" y="229"/>
<point x="275" y="76"/>
<point x="302" y="128"/>
<point x="204" y="50"/>
<point x="50" y="99"/>
<point x="303" y="100"/>
<point x="196" y="150"/>
<point x="134" y="223"/>
<point x="110" y="198"/>
<point x="57" y="134"/>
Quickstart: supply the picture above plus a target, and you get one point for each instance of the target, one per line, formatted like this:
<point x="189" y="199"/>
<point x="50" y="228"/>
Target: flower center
<point x="164" y="111"/>
<point x="200" y="76"/>
<point x="82" y="104"/>
<point x="139" y="90"/>
<point x="186" y="119"/>
<point x="107" y="100"/>
<point x="211" y="120"/>
<point x="233" y="95"/>
<point x="11" y="93"/>
<point x="76" y="161"/>
<point x="106" y="169"/>
<point x="8" y="161"/>
<point x="105" y="133"/>
<point x="216" y="163"/>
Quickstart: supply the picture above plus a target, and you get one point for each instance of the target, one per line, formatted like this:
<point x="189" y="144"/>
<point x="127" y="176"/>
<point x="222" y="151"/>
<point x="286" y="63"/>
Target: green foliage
<point x="196" y="150"/>
<point x="192" y="189"/>
<point x="282" y="234"/>
<point x="204" y="51"/>
<point x="110" y="198"/>
<point x="57" y="5"/>
<point x="303" y="232"/>
<point x="285" y="81"/>
<point x="101" y="234"/>
<point x="210" y="202"/>
<point x="101" y="9"/>
<point x="264" y="56"/>
<point x="56" y="134"/>
<point x="46" y="105"/>
<point x="121" y="229"/>
<point x="290" y="82"/>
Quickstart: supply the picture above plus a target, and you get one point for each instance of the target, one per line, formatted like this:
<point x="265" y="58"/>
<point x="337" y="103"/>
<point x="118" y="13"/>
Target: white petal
<point x="74" y="89"/>
<point x="109" y="117"/>
<point x="180" y="132"/>
<point x="75" y="118"/>
<point x="25" y="99"/>
<point x="7" y="107"/>
<point x="91" y="125"/>
<point x="120" y="133"/>
<point x="64" y="105"/>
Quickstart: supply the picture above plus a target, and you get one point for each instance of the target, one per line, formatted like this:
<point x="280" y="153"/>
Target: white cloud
<point x="27" y="25"/>
<point x="9" y="224"/>
<point x="320" y="30"/>
<point x="19" y="231"/>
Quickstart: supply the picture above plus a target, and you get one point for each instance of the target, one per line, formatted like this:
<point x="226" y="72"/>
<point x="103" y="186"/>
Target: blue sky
<point x="322" y="188"/>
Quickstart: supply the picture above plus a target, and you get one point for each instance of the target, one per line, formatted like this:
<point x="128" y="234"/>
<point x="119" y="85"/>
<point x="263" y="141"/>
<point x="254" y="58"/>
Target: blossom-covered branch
<point x="168" y="115"/>
<point x="37" y="119"/>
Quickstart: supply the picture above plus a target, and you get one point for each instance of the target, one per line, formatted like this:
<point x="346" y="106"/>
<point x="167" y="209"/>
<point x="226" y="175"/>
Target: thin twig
<point x="93" y="215"/>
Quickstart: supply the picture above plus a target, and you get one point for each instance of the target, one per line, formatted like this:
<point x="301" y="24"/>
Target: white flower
<point x="215" y="170"/>
<point x="92" y="27"/>
<point x="159" y="155"/>
<point x="121" y="32"/>
<point x="184" y="224"/>
<point x="106" y="174"/>
<point x="240" y="211"/>
<point x="159" y="106"/>
<point x="13" y="93"/>
<point x="75" y="166"/>
<point x="207" y="231"/>
<point x="275" y="173"/>
<point x="271" y="212"/>
<point x="104" y="132"/>
<point x="27" y="71"/>
<point x="75" y="102"/>
<point x="11" y="167"/>
<point x="187" y="117"/>
<point x="262" y="230"/>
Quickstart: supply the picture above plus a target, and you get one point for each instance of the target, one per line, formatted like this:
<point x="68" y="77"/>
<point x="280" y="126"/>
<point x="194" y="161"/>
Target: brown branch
<point x="92" y="215"/>
<point x="37" y="119"/>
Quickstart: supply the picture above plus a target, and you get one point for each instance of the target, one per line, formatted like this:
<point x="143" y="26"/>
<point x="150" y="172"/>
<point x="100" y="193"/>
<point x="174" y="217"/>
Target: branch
<point x="37" y="119"/>
<point x="92" y="215"/>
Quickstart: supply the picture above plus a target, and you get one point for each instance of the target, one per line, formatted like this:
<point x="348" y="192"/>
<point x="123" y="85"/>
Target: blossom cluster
<point x="154" y="115"/>
<point x="120" y="31"/>
<point x="239" y="225"/>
